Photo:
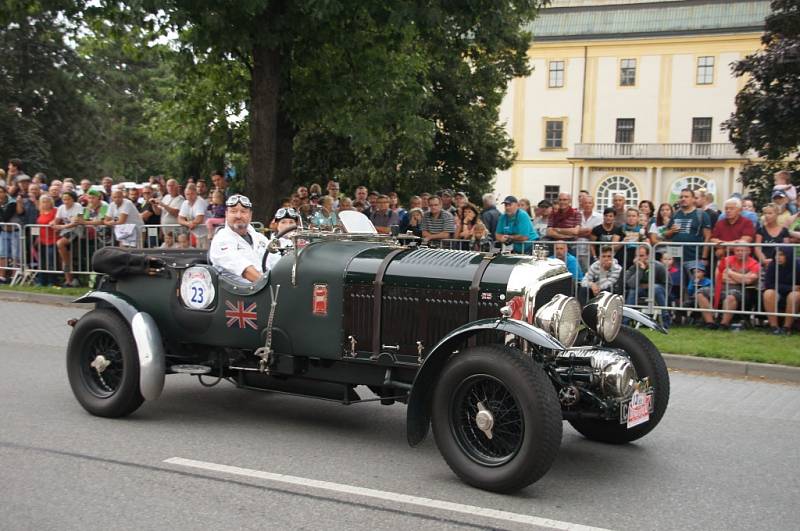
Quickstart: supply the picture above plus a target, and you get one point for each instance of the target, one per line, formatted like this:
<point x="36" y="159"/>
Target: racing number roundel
<point x="197" y="289"/>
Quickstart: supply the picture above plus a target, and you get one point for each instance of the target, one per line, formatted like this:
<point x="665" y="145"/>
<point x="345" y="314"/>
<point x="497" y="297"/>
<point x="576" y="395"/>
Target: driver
<point x="285" y="218"/>
<point x="237" y="248"/>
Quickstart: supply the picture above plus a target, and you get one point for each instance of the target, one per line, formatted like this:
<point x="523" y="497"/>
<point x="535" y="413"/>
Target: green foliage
<point x="758" y="177"/>
<point x="767" y="117"/>
<point x="397" y="95"/>
<point x="45" y="115"/>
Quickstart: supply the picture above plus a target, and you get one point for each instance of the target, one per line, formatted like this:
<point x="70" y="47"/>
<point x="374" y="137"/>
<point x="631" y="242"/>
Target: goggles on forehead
<point x="240" y="199"/>
<point x="286" y="213"/>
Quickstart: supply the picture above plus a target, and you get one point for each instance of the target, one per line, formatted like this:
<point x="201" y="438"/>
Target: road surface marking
<point x="393" y="497"/>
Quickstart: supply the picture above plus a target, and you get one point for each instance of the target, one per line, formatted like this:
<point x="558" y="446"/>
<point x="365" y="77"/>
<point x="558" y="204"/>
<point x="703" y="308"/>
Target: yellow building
<point x="629" y="96"/>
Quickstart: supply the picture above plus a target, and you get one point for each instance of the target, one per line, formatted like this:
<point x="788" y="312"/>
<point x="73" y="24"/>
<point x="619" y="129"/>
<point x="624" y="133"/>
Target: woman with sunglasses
<point x="237" y="248"/>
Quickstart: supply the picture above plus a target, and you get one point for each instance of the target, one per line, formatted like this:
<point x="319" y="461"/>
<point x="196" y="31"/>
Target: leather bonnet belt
<point x="378" y="294"/>
<point x="474" y="291"/>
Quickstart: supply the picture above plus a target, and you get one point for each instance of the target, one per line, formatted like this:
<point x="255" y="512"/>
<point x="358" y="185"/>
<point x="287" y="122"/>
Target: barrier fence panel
<point x="744" y="279"/>
<point x="736" y="278"/>
<point x="12" y="253"/>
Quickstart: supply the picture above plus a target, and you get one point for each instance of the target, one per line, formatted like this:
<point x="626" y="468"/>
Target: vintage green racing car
<point x="491" y="350"/>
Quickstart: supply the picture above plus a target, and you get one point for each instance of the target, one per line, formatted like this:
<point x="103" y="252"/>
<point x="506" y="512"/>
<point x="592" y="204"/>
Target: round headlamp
<point x="561" y="318"/>
<point x="603" y="314"/>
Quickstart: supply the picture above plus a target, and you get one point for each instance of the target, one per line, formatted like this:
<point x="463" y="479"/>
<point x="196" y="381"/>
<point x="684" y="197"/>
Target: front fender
<point x="418" y="413"/>
<point x="150" y="348"/>
<point x="636" y="315"/>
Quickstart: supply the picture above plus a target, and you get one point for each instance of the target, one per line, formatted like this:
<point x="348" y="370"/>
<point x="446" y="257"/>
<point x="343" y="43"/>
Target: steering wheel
<point x="273" y="245"/>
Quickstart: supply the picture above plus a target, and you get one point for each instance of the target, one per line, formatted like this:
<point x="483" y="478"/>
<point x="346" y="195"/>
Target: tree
<point x="46" y="120"/>
<point x="407" y="91"/>
<point x="767" y="116"/>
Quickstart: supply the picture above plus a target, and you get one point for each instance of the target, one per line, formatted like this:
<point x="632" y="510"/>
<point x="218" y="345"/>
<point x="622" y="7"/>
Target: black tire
<point x="647" y="361"/>
<point x="524" y="450"/>
<point x="114" y="392"/>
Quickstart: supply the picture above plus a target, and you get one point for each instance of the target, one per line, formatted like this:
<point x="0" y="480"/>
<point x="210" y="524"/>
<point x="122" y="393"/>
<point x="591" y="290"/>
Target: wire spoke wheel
<point x="103" y="364"/>
<point x="508" y="425"/>
<point x="101" y="348"/>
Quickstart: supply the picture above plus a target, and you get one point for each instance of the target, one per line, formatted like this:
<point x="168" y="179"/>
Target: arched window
<point x="616" y="184"/>
<point x="692" y="181"/>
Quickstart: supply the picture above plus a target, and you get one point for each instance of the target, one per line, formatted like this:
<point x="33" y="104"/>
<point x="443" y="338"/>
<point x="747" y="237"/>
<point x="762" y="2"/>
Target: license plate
<point x="637" y="409"/>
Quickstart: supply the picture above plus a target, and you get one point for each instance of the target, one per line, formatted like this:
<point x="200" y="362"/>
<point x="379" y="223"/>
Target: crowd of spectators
<point x="678" y="247"/>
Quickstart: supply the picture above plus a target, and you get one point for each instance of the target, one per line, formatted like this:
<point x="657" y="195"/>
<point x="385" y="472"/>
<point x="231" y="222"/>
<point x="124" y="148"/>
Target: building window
<point x="551" y="193"/>
<point x="627" y="72"/>
<point x="705" y="70"/>
<point x="625" y="127"/>
<point x="701" y="129"/>
<point x="616" y="184"/>
<point x="554" y="134"/>
<point x="556" y="74"/>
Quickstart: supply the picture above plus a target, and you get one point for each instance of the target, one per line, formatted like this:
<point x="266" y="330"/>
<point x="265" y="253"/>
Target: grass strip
<point x="756" y="345"/>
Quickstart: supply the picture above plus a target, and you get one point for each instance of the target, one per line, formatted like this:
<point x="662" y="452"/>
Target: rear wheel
<point x="496" y="418"/>
<point x="647" y="361"/>
<point x="103" y="365"/>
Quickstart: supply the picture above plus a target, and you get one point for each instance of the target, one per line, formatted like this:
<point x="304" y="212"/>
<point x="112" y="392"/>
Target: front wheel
<point x="103" y="365"/>
<point x="647" y="361"/>
<point x="496" y="418"/>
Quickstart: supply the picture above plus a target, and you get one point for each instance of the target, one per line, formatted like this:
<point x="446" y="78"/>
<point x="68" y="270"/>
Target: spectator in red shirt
<point x="734" y="274"/>
<point x="45" y="244"/>
<point x="565" y="222"/>
<point x="733" y="227"/>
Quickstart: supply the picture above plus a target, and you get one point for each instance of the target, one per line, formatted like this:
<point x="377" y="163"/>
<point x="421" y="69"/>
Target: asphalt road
<point x="726" y="456"/>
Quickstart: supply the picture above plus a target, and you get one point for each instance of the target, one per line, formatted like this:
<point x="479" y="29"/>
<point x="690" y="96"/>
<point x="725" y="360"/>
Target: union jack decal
<point x="241" y="316"/>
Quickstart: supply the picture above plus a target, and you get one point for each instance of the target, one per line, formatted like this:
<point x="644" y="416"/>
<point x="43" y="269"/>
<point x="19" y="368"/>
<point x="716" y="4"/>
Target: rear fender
<point x="418" y="414"/>
<point x="150" y="348"/>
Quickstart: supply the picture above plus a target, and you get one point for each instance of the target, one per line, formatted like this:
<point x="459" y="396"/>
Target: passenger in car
<point x="237" y="249"/>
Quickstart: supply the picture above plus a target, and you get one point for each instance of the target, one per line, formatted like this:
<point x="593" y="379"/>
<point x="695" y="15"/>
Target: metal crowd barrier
<point x="12" y="252"/>
<point x="749" y="294"/>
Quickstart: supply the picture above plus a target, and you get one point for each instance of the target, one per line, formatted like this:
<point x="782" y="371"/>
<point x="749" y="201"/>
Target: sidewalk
<point x="742" y="369"/>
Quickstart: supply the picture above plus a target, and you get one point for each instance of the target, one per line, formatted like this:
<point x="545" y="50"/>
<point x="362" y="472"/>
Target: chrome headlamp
<point x="561" y="318"/>
<point x="603" y="314"/>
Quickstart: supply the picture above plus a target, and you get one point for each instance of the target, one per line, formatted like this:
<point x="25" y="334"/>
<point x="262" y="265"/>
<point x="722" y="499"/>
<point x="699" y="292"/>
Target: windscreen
<point x="356" y="222"/>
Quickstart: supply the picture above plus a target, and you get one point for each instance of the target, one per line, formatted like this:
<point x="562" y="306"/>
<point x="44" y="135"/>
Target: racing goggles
<point x="286" y="213"/>
<point x="240" y="199"/>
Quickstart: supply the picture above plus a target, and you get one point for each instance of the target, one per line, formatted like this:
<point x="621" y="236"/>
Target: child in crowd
<point x="182" y="241"/>
<point x="480" y="241"/>
<point x="673" y="279"/>
<point x="169" y="240"/>
<point x="215" y="214"/>
<point x="784" y="184"/>
<point x="699" y="283"/>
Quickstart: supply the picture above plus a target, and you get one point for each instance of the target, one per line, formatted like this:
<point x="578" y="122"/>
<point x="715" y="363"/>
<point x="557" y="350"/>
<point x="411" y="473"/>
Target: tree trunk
<point x="270" y="134"/>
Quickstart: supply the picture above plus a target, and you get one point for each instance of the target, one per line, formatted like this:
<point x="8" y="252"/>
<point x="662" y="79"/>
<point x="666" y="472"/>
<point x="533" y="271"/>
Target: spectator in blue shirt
<point x="515" y="227"/>
<point x="561" y="251"/>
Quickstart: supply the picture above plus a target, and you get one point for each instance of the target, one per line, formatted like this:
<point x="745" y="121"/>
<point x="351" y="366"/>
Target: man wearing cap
<point x="447" y="201"/>
<point x="237" y="248"/>
<point x="780" y="198"/>
<point x="515" y="227"/>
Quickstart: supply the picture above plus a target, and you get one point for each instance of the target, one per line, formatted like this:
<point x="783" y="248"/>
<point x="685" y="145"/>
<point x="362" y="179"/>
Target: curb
<point x="745" y="369"/>
<point x="39" y="298"/>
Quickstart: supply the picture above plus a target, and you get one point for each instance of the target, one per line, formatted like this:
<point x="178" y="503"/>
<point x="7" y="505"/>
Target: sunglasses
<point x="238" y="198"/>
<point x="286" y="212"/>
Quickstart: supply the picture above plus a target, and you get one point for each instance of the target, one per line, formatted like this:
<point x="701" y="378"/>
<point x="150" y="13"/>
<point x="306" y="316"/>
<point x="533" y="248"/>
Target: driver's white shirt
<point x="232" y="253"/>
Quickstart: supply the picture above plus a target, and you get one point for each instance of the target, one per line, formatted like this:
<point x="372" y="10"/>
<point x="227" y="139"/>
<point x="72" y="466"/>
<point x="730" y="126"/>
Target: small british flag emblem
<point x="240" y="316"/>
